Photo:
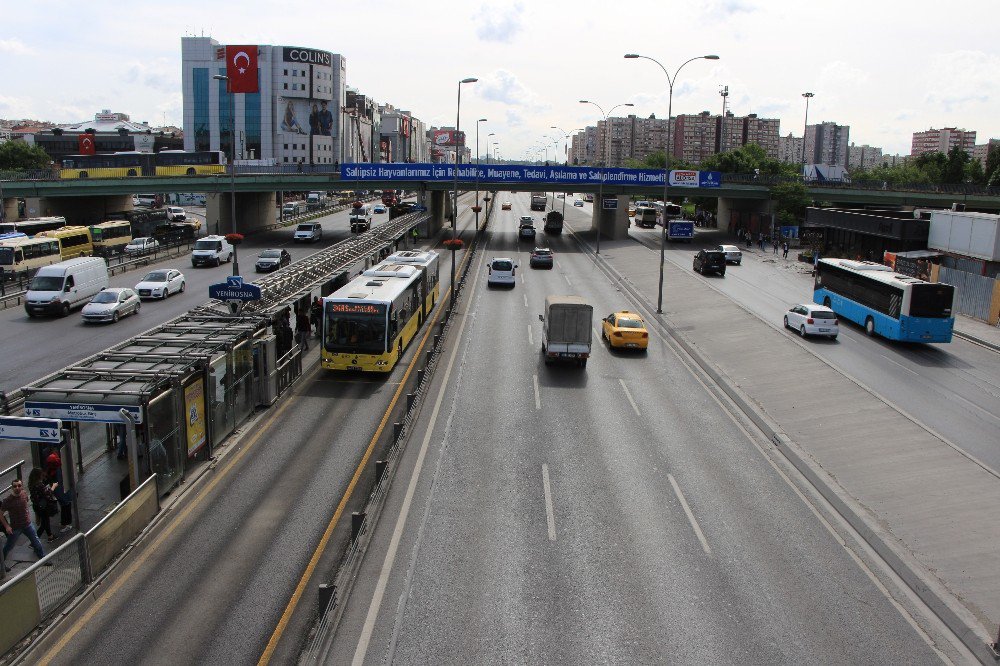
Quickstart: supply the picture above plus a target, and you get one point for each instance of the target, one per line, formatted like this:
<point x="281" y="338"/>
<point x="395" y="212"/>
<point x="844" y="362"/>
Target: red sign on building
<point x="241" y="68"/>
<point x="86" y="145"/>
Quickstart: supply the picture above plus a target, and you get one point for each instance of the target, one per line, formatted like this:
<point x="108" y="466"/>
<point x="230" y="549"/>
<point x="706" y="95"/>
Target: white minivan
<point x="211" y="251"/>
<point x="58" y="288"/>
<point x="308" y="232"/>
<point x="501" y="271"/>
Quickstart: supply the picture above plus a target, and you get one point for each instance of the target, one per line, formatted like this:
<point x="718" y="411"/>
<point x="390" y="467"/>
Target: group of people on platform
<point x="48" y="497"/>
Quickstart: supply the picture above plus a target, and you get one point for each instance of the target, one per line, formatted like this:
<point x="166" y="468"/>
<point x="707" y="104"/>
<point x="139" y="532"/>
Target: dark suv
<point x="710" y="261"/>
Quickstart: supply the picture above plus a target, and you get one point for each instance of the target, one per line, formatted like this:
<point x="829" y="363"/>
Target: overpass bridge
<point x="85" y="200"/>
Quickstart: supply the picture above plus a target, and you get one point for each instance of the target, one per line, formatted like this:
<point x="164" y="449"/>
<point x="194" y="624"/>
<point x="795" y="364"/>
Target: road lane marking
<point x="538" y="398"/>
<point x="567" y="280"/>
<point x="690" y="515"/>
<point x="531" y="342"/>
<point x="525" y="300"/>
<point x="894" y="362"/>
<point x="550" y="516"/>
<point x="628" y="395"/>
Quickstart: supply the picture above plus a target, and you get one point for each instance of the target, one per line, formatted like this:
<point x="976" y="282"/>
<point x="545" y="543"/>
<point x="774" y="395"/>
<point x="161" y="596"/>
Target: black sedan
<point x="272" y="260"/>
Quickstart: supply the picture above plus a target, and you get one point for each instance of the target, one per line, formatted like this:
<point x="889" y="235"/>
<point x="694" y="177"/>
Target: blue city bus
<point x="886" y="303"/>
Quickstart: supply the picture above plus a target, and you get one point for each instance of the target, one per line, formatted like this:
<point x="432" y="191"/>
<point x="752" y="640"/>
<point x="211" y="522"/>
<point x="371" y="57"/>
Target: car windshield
<point x="502" y="265"/>
<point x="822" y="314"/>
<point x="304" y="227"/>
<point x="46" y="283"/>
<point x="106" y="297"/>
<point x="630" y="323"/>
<point x="206" y="245"/>
<point x="156" y="276"/>
<point x="270" y="254"/>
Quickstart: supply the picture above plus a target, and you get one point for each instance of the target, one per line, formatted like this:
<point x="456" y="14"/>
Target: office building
<point x="942" y="141"/>
<point x="403" y="138"/>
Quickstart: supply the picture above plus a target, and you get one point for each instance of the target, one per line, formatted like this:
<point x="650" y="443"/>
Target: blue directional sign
<point x="80" y="412"/>
<point x="527" y="174"/>
<point x="31" y="430"/>
<point x="234" y="290"/>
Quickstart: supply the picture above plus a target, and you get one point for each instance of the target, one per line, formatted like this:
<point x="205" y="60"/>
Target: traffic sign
<point x="31" y="430"/>
<point x="234" y="290"/>
<point x="610" y="203"/>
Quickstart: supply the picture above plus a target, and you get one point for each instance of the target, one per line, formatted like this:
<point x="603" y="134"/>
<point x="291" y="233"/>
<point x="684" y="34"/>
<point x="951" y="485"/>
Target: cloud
<point x="14" y="47"/>
<point x="727" y="8"/>
<point x="514" y="119"/>
<point x="159" y="74"/>
<point x="497" y="27"/>
<point x="959" y="79"/>
<point x="504" y="87"/>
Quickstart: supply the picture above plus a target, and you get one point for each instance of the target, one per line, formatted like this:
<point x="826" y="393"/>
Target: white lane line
<point x="690" y="516"/>
<point x="628" y="395"/>
<point x="525" y="300"/>
<point x="567" y="280"/>
<point x="538" y="397"/>
<point x="530" y="339"/>
<point x="550" y="516"/>
<point x="899" y="364"/>
<point x="596" y="334"/>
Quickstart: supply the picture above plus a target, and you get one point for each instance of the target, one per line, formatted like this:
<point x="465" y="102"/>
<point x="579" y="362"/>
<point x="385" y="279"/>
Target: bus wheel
<point x="870" y="326"/>
<point x="131" y="173"/>
<point x="190" y="171"/>
<point x="826" y="302"/>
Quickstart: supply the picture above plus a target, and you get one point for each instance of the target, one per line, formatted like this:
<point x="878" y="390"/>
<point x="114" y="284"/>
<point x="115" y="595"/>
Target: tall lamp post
<point x="232" y="163"/>
<point x="671" y="80"/>
<point x="489" y="146"/>
<point x="600" y="185"/>
<point x="566" y="136"/>
<point x="805" y="126"/>
<point x="475" y="208"/>
<point x="454" y="207"/>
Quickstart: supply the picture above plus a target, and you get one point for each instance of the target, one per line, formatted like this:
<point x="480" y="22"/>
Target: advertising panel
<point x="449" y="138"/>
<point x="194" y="412"/>
<point x="306" y="56"/>
<point x="679" y="178"/>
<point x="305" y="116"/>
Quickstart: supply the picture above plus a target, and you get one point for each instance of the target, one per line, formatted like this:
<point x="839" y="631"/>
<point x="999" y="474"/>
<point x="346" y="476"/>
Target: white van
<point x="501" y="271"/>
<point x="645" y="217"/>
<point x="176" y="214"/>
<point x="361" y="219"/>
<point x="59" y="288"/>
<point x="308" y="232"/>
<point x="211" y="251"/>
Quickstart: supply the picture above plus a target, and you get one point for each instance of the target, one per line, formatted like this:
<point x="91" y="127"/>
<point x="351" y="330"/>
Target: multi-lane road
<point x="613" y="514"/>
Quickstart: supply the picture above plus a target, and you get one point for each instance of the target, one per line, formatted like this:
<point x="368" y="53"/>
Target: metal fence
<point x="289" y="369"/>
<point x="973" y="293"/>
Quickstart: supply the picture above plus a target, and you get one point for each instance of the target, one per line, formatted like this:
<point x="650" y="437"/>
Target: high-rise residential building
<point x="826" y="143"/>
<point x="942" y="140"/>
<point x="762" y="131"/>
<point x="297" y="115"/>
<point x="694" y="137"/>
<point x="982" y="151"/>
<point x="631" y="138"/>
<point x="790" y="149"/>
<point x="864" y="157"/>
<point x="583" y="147"/>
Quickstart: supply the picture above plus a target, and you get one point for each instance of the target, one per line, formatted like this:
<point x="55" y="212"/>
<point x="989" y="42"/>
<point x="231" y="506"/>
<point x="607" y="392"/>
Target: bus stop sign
<point x="31" y="430"/>
<point x="234" y="290"/>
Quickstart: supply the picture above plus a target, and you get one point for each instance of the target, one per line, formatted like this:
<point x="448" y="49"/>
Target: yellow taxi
<point x="631" y="210"/>
<point x="625" y="330"/>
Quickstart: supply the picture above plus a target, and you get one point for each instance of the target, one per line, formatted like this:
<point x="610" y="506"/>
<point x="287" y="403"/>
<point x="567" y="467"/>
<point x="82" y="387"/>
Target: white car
<point x="501" y="271"/>
<point x="578" y="202"/>
<point x="733" y="254"/>
<point x="161" y="283"/>
<point x="812" y="319"/>
<point x="140" y="246"/>
<point x="111" y="304"/>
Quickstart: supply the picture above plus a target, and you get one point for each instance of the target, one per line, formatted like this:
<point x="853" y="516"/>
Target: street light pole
<point x="666" y="157"/>
<point x="475" y="208"/>
<point x="566" y="136"/>
<point x="600" y="184"/>
<point x="232" y="163"/>
<point x="489" y="147"/>
<point x="454" y="207"/>
<point x="805" y="127"/>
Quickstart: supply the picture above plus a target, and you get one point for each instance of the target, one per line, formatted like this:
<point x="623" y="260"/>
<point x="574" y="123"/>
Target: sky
<point x="885" y="68"/>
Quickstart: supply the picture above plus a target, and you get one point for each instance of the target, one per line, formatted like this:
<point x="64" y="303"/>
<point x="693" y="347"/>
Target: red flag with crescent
<point x="85" y="144"/>
<point x="241" y="68"/>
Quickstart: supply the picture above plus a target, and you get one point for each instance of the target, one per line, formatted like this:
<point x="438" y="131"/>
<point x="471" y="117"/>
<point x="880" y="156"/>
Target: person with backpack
<point x="43" y="501"/>
<point x="302" y="328"/>
<point x="316" y="315"/>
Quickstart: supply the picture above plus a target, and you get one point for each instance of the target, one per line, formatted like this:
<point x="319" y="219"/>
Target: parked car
<point x="812" y="319"/>
<point x="140" y="246"/>
<point x="733" y="253"/>
<point x="541" y="257"/>
<point x="625" y="330"/>
<point x="272" y="260"/>
<point x="111" y="304"/>
<point x="710" y="261"/>
<point x="505" y="205"/>
<point x="578" y="202"/>
<point x="501" y="271"/>
<point x="161" y="283"/>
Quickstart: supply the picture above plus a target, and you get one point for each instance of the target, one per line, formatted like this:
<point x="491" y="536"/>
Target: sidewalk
<point x="978" y="331"/>
<point x="921" y="504"/>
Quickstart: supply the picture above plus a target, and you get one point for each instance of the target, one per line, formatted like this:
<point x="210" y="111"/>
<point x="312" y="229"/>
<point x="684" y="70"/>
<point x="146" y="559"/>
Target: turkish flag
<point x="85" y="142"/>
<point x="241" y="68"/>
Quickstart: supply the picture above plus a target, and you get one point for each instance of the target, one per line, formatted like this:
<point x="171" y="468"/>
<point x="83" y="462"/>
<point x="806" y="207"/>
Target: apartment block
<point x="864" y="157"/>
<point x="827" y="143"/>
<point x="943" y="140"/>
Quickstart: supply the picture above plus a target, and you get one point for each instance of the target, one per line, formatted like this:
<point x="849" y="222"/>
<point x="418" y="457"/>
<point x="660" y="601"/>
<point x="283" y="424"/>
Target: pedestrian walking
<point x="302" y="328"/>
<point x="316" y="315"/>
<point x="54" y="477"/>
<point x="784" y="250"/>
<point x="16" y="506"/>
<point x="43" y="501"/>
<point x="775" y="244"/>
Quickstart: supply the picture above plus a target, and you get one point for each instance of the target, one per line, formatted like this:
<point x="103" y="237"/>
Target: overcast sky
<point x="886" y="68"/>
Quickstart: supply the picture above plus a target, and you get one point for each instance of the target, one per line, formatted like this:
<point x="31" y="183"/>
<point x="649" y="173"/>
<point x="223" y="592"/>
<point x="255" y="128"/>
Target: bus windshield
<point x="6" y="256"/>
<point x="931" y="300"/>
<point x="355" y="328"/>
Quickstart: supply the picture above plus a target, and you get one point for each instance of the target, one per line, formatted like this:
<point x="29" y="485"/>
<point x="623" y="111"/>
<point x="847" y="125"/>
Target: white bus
<point x="26" y="255"/>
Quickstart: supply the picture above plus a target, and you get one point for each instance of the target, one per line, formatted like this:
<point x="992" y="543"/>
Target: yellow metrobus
<point x="370" y="321"/>
<point x="132" y="164"/>
<point x="189" y="163"/>
<point x="110" y="238"/>
<point x="19" y="255"/>
<point x="73" y="241"/>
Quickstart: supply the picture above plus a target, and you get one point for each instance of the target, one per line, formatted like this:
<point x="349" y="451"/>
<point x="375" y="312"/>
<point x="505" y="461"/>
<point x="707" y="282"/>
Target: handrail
<point x="111" y="514"/>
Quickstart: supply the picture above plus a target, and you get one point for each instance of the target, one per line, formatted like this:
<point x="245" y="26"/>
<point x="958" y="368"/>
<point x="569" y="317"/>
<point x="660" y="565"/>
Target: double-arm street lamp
<point x="671" y="80"/>
<point x="489" y="146"/>
<point x="476" y="208"/>
<point x="805" y="127"/>
<point x="566" y="136"/>
<point x="600" y="186"/>
<point x="458" y="160"/>
<point x="232" y="163"/>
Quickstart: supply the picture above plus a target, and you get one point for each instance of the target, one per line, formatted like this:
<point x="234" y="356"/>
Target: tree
<point x="791" y="199"/>
<point x="974" y="173"/>
<point x="19" y="156"/>
<point x="954" y="168"/>
<point x="993" y="165"/>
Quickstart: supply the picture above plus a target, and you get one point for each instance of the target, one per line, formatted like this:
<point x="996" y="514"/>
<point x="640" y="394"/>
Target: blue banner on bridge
<point x="526" y="174"/>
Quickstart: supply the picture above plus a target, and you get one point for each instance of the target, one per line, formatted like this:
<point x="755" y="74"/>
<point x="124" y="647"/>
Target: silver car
<point x="111" y="304"/>
<point x="733" y="254"/>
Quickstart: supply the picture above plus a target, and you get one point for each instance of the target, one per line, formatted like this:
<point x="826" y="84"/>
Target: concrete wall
<point x="9" y="210"/>
<point x="753" y="214"/>
<point x="254" y="211"/>
<point x="611" y="224"/>
<point x="78" y="210"/>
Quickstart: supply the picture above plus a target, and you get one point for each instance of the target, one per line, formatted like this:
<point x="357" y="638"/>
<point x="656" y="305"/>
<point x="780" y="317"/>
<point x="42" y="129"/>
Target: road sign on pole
<point x="234" y="290"/>
<point x="30" y="430"/>
<point x="610" y="203"/>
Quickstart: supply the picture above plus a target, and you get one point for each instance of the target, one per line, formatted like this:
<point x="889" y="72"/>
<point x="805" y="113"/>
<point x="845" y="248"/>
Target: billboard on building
<point x="449" y="138"/>
<point x="304" y="116"/>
